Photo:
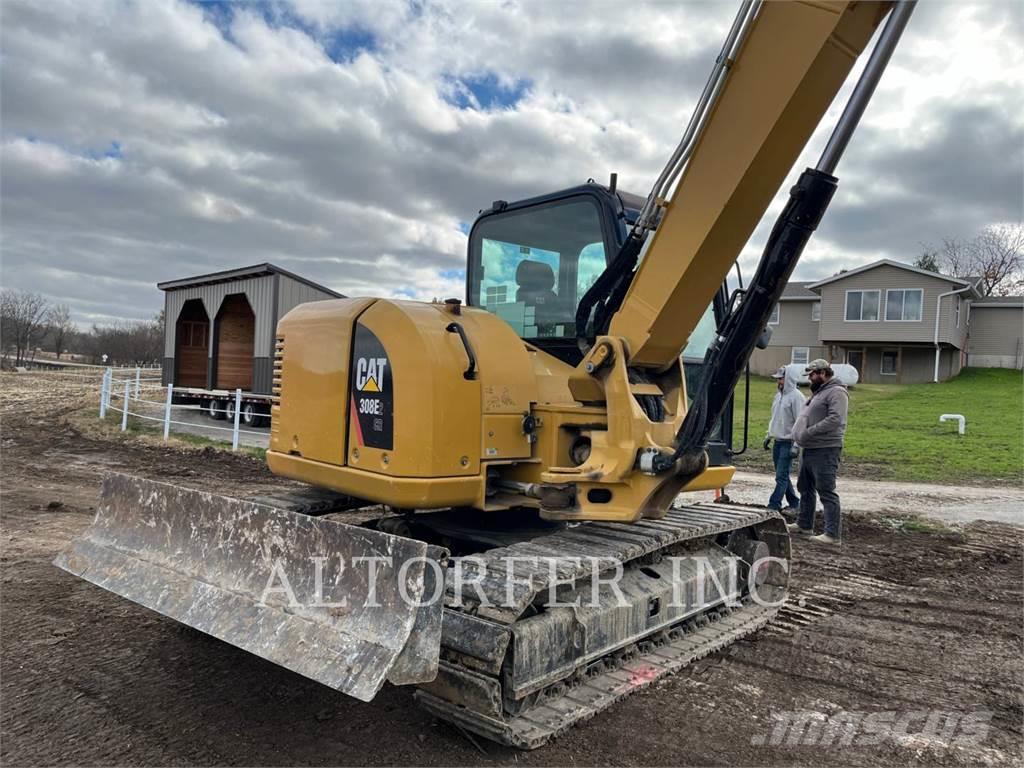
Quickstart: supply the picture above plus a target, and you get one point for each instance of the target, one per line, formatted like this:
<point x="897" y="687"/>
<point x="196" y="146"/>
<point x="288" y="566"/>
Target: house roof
<point x="963" y="282"/>
<point x="797" y="291"/>
<point x="242" y="273"/>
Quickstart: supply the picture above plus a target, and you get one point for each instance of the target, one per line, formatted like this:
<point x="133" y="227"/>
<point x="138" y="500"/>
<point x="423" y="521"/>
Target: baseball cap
<point x="817" y="365"/>
<point x="780" y="374"/>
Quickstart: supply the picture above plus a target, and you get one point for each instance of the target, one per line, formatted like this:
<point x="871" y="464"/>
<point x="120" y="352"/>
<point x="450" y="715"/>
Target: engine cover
<point x="399" y="402"/>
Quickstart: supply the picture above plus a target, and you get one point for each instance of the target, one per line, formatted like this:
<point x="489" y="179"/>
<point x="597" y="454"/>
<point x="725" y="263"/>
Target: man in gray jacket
<point x="786" y="408"/>
<point x="819" y="431"/>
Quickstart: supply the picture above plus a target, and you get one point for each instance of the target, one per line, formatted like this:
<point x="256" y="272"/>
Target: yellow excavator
<point x="476" y="469"/>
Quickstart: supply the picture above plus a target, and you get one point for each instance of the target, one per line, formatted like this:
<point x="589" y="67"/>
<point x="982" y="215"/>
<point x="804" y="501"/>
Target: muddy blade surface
<point x="248" y="574"/>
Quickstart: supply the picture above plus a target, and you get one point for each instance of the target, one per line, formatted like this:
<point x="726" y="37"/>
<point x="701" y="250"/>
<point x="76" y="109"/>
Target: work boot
<point x="794" y="528"/>
<point x="824" y="538"/>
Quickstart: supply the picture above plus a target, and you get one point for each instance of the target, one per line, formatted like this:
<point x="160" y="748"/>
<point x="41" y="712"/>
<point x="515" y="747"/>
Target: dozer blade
<point x="296" y="590"/>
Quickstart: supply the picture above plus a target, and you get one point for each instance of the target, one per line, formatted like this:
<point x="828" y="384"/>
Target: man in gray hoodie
<point x="819" y="431"/>
<point x="786" y="408"/>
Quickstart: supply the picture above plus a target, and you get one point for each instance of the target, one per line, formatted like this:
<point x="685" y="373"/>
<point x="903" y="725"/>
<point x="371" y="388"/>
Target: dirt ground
<point x="903" y="621"/>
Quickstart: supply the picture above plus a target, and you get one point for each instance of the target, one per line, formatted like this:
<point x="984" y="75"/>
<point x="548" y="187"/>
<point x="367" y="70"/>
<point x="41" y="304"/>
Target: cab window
<point x="531" y="267"/>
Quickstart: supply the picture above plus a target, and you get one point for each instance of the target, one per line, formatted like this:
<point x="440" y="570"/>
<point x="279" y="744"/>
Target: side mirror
<point x="764" y="338"/>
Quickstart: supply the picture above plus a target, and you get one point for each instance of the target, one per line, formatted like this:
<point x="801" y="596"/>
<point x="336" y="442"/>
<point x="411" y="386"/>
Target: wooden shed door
<point x="236" y="330"/>
<point x="192" y="334"/>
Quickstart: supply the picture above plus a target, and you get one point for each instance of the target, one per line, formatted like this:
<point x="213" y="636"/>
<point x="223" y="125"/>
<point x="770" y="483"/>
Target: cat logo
<point x="370" y="373"/>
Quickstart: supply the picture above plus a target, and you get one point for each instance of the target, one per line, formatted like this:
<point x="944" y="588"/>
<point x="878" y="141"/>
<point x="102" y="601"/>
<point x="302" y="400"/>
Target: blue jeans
<point x="782" y="457"/>
<point x="818" y="470"/>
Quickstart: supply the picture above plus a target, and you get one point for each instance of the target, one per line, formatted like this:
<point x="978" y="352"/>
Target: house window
<point x="957" y="311"/>
<point x="903" y="304"/>
<point x="801" y="355"/>
<point x="816" y="311"/>
<point x="862" y="305"/>
<point x="774" y="319"/>
<point x="890" y="358"/>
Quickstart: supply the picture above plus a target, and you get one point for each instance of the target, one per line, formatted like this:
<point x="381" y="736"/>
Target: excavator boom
<point x="793" y="59"/>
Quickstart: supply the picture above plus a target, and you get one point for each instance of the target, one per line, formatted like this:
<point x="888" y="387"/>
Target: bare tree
<point x="998" y="256"/>
<point x="995" y="257"/>
<point x="23" y="321"/>
<point x="61" y="327"/>
<point x="138" y="342"/>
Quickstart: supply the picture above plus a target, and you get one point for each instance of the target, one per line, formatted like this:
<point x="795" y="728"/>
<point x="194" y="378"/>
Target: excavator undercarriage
<point x="526" y="631"/>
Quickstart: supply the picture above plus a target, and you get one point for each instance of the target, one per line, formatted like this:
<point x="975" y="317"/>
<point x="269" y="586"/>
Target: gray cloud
<point x="147" y="141"/>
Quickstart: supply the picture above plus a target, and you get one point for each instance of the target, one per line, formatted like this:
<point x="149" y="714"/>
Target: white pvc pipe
<point x="138" y="375"/>
<point x="957" y="417"/>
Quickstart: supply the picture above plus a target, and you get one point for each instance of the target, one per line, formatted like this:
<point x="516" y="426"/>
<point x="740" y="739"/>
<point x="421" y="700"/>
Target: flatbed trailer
<point x="219" y="404"/>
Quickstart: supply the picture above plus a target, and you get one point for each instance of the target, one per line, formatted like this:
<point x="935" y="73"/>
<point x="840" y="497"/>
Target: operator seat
<point x="535" y="281"/>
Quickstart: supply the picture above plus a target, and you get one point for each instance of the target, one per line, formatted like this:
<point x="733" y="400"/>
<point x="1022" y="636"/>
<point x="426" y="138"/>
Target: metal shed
<point x="219" y="328"/>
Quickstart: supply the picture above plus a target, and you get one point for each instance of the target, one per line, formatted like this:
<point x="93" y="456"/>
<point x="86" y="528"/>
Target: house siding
<point x="765" y="362"/>
<point x="949" y="331"/>
<point x="795" y="329"/>
<point x="996" y="337"/>
<point x="835" y="328"/>
<point x="915" y="364"/>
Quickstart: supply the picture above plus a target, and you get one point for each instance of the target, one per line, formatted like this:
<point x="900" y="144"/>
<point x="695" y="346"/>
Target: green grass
<point x="893" y="431"/>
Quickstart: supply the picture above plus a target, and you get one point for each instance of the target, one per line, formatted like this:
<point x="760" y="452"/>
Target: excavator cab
<point x="531" y="262"/>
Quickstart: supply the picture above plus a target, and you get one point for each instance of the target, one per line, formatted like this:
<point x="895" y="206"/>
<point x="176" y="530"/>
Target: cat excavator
<point x="495" y="507"/>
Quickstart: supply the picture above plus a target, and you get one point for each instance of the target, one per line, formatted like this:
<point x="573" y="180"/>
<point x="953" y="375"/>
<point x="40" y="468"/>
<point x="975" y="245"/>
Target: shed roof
<point x="1000" y="301"/>
<point x="229" y="275"/>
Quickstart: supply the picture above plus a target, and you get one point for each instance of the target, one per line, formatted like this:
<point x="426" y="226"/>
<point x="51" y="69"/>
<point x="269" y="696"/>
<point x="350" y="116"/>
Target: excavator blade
<point x="346" y="606"/>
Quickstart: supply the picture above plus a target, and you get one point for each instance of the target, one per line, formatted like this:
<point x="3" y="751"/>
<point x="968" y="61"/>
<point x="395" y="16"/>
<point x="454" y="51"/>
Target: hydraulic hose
<point x="728" y="353"/>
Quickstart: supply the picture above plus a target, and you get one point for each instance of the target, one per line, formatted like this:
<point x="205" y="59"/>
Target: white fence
<point x="137" y="393"/>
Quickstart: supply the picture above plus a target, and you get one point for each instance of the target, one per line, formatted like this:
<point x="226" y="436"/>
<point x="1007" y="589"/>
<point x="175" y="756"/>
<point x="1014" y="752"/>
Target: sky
<point x="354" y="141"/>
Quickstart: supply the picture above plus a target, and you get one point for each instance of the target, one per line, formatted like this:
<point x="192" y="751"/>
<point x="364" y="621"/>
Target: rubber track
<point x="552" y="716"/>
<point x="573" y="547"/>
<point x="623" y="541"/>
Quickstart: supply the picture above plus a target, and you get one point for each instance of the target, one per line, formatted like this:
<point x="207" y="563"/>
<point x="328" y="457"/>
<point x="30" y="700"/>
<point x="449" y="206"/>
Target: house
<point x="219" y="328"/>
<point x="894" y="323"/>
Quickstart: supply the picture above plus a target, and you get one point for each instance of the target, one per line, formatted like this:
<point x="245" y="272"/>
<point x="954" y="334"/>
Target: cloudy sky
<point x="353" y="141"/>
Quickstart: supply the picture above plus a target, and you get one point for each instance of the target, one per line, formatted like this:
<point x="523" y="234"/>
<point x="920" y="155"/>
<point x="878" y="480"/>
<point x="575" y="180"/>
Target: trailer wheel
<point x="251" y="415"/>
<point x="215" y="409"/>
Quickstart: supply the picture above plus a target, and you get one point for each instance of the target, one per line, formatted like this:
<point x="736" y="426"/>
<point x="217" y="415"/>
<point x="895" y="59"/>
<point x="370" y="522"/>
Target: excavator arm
<point x="759" y="109"/>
